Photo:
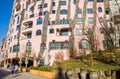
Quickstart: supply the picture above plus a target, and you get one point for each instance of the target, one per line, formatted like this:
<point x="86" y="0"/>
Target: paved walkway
<point x="6" y="74"/>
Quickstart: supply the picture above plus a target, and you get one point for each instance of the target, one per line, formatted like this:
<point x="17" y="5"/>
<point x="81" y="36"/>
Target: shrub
<point x="44" y="68"/>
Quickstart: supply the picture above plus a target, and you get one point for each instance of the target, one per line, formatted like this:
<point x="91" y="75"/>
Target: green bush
<point x="44" y="68"/>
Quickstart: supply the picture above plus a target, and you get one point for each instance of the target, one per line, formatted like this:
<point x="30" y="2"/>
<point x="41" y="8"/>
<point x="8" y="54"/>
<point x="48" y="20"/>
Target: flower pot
<point x="93" y="75"/>
<point x="83" y="74"/>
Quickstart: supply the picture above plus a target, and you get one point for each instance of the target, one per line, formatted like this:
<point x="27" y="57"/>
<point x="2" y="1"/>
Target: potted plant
<point x="93" y="74"/>
<point x="83" y="73"/>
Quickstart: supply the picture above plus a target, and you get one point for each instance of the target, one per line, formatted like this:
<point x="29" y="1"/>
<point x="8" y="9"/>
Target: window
<point x="107" y="11"/>
<point x="64" y="32"/>
<point x="90" y="0"/>
<point x="79" y="11"/>
<point x="64" y="11"/>
<point x="39" y="21"/>
<point x="65" y="45"/>
<point x="51" y="30"/>
<point x="11" y="50"/>
<point x="32" y="9"/>
<point x="79" y="20"/>
<point x="90" y="11"/>
<point x="38" y="32"/>
<point x="99" y="0"/>
<point x="84" y="44"/>
<point x="15" y="36"/>
<point x="53" y="22"/>
<point x="15" y="48"/>
<point x="59" y="45"/>
<point x="29" y="35"/>
<point x="53" y="46"/>
<point x="38" y="0"/>
<point x="16" y="15"/>
<point x="18" y="27"/>
<point x="53" y="11"/>
<point x="64" y="21"/>
<point x="62" y="3"/>
<point x="42" y="47"/>
<point x="40" y="14"/>
<point x="74" y="2"/>
<point x="53" y="3"/>
<point x="99" y="9"/>
<point x="105" y="45"/>
<point x="30" y="25"/>
<point x="28" y="46"/>
<point x="32" y="15"/>
<point x="40" y="6"/>
<point x="78" y="32"/>
<point x="101" y="30"/>
<point x="45" y="12"/>
<point x="18" y="20"/>
<point x="45" y="5"/>
<point x="90" y="20"/>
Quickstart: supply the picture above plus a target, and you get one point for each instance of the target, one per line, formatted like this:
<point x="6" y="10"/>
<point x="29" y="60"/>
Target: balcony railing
<point x="26" y="27"/>
<point x="31" y="16"/>
<point x="25" y="37"/>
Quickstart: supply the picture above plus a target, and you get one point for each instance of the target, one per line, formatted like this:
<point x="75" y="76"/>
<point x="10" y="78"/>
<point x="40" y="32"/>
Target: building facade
<point x="52" y="27"/>
<point x="115" y="22"/>
<point x="3" y="51"/>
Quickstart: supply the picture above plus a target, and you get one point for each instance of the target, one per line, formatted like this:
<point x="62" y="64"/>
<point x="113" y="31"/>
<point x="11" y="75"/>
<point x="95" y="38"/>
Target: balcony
<point x="30" y="16"/>
<point x="27" y="25"/>
<point x="63" y="32"/>
<point x="27" y="35"/>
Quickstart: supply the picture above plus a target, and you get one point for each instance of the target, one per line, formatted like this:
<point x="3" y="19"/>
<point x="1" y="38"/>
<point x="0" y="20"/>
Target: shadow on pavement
<point x="5" y="73"/>
<point x="14" y="76"/>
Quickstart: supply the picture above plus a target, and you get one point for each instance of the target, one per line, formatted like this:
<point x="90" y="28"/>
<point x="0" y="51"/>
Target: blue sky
<point x="5" y="13"/>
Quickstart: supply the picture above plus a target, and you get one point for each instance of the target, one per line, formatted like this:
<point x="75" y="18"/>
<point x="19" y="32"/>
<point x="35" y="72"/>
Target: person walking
<point x="16" y="68"/>
<point x="12" y="69"/>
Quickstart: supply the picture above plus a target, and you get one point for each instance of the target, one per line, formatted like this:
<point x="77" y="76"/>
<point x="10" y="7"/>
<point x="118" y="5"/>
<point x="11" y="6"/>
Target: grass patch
<point x="85" y="64"/>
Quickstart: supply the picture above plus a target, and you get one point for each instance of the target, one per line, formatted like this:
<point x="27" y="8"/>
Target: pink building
<point x="3" y="51"/>
<point x="52" y="26"/>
